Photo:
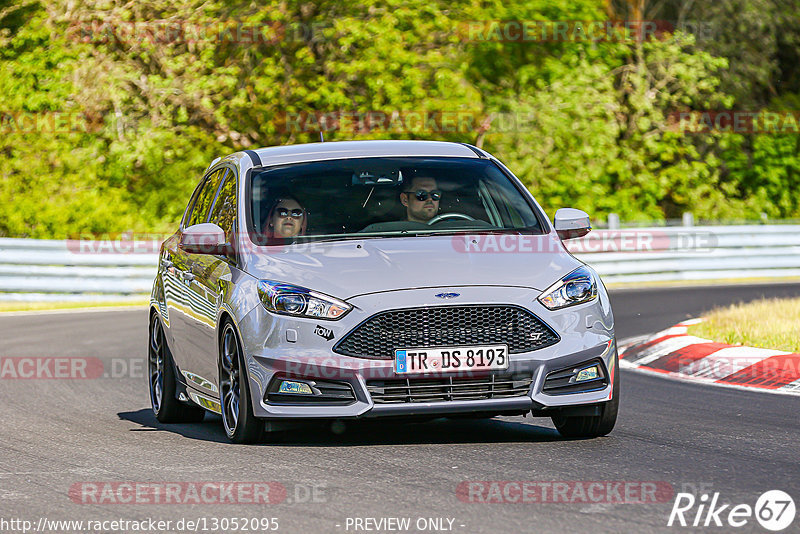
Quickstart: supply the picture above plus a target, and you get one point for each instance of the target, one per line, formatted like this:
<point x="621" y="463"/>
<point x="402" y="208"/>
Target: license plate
<point x="451" y="359"/>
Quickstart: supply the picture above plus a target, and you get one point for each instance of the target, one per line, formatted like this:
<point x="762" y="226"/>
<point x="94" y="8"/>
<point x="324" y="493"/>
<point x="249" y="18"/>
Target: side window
<point x="204" y="199"/>
<point x="188" y="212"/>
<point x="223" y="213"/>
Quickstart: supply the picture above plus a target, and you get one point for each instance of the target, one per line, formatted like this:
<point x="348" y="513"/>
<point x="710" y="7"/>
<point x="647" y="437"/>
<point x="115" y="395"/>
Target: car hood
<point x="346" y="269"/>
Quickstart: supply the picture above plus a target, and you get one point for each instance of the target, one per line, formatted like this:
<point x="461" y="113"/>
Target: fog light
<point x="295" y="388"/>
<point x="590" y="373"/>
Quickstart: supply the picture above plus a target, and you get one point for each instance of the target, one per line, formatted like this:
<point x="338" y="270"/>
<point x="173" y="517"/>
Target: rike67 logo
<point x="774" y="510"/>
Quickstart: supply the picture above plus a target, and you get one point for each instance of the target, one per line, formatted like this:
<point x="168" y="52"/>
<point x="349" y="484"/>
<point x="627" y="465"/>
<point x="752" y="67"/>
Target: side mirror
<point x="571" y="223"/>
<point x="205" y="238"/>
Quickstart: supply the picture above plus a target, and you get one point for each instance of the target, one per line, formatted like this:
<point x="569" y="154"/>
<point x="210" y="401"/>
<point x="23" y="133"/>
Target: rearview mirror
<point x="571" y="223"/>
<point x="205" y="238"/>
<point x="390" y="177"/>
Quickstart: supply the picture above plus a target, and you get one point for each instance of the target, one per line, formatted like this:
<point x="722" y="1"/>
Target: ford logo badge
<point x="447" y="295"/>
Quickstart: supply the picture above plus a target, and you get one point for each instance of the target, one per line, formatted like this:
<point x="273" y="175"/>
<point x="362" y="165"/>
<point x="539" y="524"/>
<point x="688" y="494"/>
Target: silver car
<point x="368" y="279"/>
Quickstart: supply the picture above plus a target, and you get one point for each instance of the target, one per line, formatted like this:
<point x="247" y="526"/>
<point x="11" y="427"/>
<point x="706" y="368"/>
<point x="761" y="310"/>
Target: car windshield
<point x="385" y="197"/>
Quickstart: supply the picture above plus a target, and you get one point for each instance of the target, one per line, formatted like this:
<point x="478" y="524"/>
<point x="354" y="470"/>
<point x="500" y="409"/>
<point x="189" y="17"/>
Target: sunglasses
<point x="283" y="213"/>
<point x="422" y="195"/>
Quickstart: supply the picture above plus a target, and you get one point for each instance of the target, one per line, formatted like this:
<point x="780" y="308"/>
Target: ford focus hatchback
<point x="369" y="279"/>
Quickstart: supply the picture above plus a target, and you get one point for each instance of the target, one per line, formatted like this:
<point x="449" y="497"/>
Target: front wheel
<point x="241" y="425"/>
<point x="592" y="426"/>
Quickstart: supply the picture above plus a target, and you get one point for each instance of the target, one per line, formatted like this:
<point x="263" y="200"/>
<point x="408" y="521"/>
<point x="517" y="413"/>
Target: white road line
<point x="665" y="347"/>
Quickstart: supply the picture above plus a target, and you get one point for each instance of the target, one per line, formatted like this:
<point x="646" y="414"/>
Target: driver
<point x="421" y="199"/>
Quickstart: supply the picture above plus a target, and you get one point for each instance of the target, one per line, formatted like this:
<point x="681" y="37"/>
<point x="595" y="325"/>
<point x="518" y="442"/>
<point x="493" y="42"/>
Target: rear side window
<point x="205" y="198"/>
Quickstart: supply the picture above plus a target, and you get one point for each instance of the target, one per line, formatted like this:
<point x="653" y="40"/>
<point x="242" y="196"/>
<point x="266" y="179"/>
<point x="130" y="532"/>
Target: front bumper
<point x="358" y="373"/>
<point x="586" y="333"/>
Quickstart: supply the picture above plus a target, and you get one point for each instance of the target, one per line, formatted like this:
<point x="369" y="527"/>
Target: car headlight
<point x="577" y="287"/>
<point x="287" y="299"/>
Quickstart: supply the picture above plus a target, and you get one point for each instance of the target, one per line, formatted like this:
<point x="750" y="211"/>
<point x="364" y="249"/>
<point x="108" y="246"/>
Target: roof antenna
<point x="321" y="139"/>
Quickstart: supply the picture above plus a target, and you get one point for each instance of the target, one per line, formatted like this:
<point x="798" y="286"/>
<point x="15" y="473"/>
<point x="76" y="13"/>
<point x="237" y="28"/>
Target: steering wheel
<point x="454" y="215"/>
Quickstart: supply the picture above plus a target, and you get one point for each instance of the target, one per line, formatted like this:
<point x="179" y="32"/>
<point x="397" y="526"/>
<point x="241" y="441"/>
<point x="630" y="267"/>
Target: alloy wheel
<point x="156" y="363"/>
<point x="230" y="385"/>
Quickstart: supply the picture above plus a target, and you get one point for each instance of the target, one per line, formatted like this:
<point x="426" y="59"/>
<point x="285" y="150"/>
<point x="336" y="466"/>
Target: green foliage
<point x="583" y="123"/>
<point x="601" y="138"/>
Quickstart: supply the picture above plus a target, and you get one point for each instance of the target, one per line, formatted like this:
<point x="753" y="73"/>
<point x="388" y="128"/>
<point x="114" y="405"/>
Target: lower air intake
<point x="407" y="390"/>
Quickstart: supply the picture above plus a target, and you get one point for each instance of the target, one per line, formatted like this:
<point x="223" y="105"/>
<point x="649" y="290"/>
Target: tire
<point x="240" y="424"/>
<point x="162" y="381"/>
<point x="592" y="426"/>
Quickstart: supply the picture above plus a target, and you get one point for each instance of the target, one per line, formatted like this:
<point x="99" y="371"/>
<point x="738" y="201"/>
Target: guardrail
<point x="59" y="270"/>
<point x="691" y="253"/>
<point x="33" y="269"/>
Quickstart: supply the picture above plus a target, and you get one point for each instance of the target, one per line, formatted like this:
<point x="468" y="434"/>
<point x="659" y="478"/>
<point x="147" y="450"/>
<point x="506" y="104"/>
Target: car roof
<point x="280" y="155"/>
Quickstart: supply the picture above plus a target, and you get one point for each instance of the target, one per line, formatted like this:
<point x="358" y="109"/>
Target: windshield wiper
<point x="343" y="237"/>
<point x="481" y="231"/>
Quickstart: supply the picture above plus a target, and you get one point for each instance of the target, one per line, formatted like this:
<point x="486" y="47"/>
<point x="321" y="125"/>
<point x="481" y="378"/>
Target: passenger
<point x="421" y="199"/>
<point x="287" y="218"/>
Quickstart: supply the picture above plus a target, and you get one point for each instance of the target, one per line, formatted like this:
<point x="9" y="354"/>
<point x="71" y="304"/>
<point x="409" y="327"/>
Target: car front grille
<point x="405" y="390"/>
<point x="446" y="326"/>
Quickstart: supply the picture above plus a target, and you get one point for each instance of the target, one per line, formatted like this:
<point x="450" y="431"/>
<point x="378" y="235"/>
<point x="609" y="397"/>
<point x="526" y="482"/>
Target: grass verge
<point x="766" y="323"/>
<point x="12" y="306"/>
<point x="702" y="283"/>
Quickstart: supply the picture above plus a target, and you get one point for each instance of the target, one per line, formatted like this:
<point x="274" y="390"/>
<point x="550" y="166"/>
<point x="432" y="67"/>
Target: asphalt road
<point x="60" y="434"/>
